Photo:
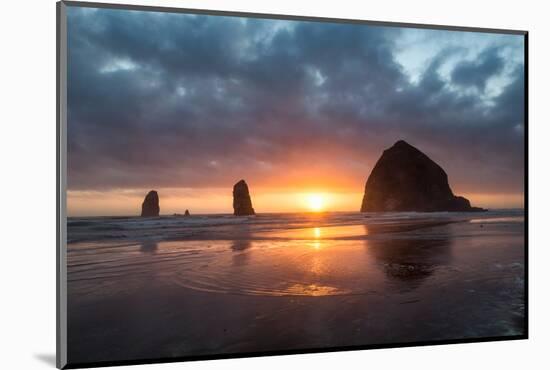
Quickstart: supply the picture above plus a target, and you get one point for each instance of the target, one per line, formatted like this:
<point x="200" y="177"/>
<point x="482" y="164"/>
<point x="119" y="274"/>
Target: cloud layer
<point x="171" y="100"/>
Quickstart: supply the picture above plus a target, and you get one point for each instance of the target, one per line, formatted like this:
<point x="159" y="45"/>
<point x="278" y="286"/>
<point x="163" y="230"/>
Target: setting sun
<point x="316" y="202"/>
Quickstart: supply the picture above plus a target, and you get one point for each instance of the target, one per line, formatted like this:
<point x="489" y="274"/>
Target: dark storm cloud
<point x="477" y="72"/>
<point x="174" y="100"/>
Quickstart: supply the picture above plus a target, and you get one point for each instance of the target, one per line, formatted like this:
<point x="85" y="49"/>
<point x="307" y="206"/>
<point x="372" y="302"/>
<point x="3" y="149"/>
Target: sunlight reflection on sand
<point x="329" y="232"/>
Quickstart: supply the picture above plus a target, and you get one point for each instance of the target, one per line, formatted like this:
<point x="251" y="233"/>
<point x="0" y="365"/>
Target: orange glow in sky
<point x="127" y="202"/>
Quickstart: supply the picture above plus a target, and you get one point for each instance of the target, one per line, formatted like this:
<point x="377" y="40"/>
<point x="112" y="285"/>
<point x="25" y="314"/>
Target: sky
<point x="190" y="104"/>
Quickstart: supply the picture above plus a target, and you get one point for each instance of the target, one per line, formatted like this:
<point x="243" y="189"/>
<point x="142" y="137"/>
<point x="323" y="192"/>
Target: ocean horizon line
<point x="181" y="215"/>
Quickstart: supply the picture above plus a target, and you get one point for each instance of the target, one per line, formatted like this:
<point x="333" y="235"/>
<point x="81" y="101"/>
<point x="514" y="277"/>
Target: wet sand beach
<point x="172" y="287"/>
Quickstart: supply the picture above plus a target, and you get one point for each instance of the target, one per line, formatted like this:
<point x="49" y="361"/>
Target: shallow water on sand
<point x="461" y="274"/>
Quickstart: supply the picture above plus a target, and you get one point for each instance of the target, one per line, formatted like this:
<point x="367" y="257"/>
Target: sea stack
<point x="242" y="205"/>
<point x="405" y="179"/>
<point x="187" y="213"/>
<point x="150" y="206"/>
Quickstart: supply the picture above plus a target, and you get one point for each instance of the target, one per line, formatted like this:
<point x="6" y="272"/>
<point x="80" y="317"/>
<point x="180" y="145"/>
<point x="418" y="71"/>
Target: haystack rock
<point x="187" y="213"/>
<point x="405" y="179"/>
<point x="242" y="205"/>
<point x="150" y="206"/>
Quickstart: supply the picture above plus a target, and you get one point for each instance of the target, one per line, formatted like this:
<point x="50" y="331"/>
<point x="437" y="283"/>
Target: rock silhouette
<point x="242" y="205"/>
<point x="405" y="179"/>
<point x="150" y="206"/>
<point x="187" y="213"/>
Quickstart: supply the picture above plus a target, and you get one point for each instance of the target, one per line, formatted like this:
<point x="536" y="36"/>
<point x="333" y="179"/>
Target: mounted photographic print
<point x="235" y="184"/>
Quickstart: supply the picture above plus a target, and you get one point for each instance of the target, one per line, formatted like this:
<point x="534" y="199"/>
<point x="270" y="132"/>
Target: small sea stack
<point x="150" y="206"/>
<point x="405" y="179"/>
<point x="186" y="214"/>
<point x="242" y="205"/>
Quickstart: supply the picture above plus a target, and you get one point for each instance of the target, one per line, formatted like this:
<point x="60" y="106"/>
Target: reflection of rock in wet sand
<point x="408" y="262"/>
<point x="240" y="246"/>
<point x="149" y="246"/>
<point x="242" y="255"/>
